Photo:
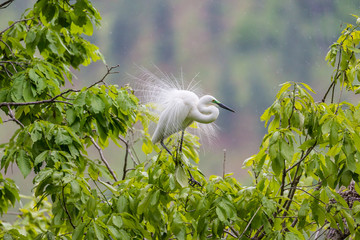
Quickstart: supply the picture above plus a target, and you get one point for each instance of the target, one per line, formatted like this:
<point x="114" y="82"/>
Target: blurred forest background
<point x="240" y="51"/>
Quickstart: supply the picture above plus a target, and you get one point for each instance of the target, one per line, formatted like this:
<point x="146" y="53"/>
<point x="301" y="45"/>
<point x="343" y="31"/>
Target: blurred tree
<point x="126" y="31"/>
<point x="164" y="33"/>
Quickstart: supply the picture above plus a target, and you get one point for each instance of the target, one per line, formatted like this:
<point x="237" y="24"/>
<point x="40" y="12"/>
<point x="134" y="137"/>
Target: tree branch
<point x="126" y="156"/>
<point x="230" y="233"/>
<point x="303" y="157"/>
<point x="65" y="208"/>
<point x="12" y="53"/>
<point x="6" y="4"/>
<point x="103" y="158"/>
<point x="21" y="20"/>
<point x="51" y="100"/>
<point x="224" y="164"/>
<point x="12" y="117"/>
<point x="109" y="71"/>
<point x="249" y="223"/>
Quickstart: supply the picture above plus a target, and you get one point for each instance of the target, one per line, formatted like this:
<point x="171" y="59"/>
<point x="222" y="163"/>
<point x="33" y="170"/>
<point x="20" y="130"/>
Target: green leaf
<point x="23" y="162"/>
<point x="41" y="157"/>
<point x="98" y="231"/>
<point x="308" y="87"/>
<point x="304" y="209"/>
<point x="75" y="187"/>
<point x="62" y="137"/>
<point x="284" y="87"/>
<point x="181" y="177"/>
<point x="78" y="233"/>
<point x="277" y="164"/>
<point x="117" y="220"/>
<point x="147" y="147"/>
<point x="17" y="88"/>
<point x="221" y="214"/>
<point x="96" y="103"/>
<point x="70" y="116"/>
<point x="286" y="150"/>
<point x="155" y="198"/>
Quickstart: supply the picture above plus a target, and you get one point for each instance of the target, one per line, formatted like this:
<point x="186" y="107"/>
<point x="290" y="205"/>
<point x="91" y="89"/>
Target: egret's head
<point x="215" y="102"/>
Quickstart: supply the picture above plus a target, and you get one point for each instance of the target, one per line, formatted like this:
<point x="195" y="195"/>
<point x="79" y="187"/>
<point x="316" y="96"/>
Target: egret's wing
<point x="172" y="119"/>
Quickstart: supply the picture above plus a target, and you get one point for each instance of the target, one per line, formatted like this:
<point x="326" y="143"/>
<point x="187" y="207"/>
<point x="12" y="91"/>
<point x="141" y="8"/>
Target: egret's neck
<point x="205" y="113"/>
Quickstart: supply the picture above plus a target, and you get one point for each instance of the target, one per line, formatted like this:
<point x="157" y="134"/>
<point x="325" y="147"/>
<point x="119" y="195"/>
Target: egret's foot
<point x="192" y="181"/>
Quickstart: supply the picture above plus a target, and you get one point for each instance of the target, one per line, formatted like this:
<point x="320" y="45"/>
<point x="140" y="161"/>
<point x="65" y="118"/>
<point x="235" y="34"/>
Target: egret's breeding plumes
<point x="179" y="106"/>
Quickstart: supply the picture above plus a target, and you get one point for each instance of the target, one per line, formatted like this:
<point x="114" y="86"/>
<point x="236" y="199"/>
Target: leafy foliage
<point x="310" y="150"/>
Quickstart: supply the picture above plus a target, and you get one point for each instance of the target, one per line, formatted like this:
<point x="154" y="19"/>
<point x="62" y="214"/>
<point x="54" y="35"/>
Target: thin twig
<point x="13" y="118"/>
<point x="224" y="163"/>
<point x="230" y="233"/>
<point x="102" y="192"/>
<point x="109" y="71"/>
<point x="21" y="20"/>
<point x="308" y="194"/>
<point x="6" y="70"/>
<point x="51" y="100"/>
<point x="65" y="208"/>
<point x="303" y="157"/>
<point x="6" y="4"/>
<point x="12" y="53"/>
<point x="248" y="225"/>
<point x="233" y="231"/>
<point x="103" y="158"/>
<point x="126" y="156"/>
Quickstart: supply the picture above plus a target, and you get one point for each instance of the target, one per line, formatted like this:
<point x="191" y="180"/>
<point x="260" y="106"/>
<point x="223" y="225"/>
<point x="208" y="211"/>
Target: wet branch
<point x="125" y="170"/>
<point x="22" y="20"/>
<point x="65" y="208"/>
<point x="51" y="100"/>
<point x="103" y="158"/>
<point x="109" y="71"/>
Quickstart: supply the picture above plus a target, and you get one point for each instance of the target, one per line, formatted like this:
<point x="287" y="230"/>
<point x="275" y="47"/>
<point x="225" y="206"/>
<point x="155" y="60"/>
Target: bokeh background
<point x="240" y="51"/>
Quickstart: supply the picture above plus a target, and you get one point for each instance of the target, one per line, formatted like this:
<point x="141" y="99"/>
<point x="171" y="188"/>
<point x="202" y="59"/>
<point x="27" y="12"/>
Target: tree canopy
<point x="310" y="150"/>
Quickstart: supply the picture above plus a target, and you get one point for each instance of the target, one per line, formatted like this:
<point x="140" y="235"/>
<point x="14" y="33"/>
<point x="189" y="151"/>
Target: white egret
<point x="179" y="107"/>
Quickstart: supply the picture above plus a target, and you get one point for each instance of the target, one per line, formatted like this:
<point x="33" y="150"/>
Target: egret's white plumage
<point x="179" y="106"/>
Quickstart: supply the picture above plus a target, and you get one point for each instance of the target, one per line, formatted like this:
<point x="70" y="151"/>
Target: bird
<point x="180" y="106"/>
<point x="183" y="108"/>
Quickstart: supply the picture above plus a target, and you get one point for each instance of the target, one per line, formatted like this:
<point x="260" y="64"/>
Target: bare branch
<point x="6" y="70"/>
<point x="21" y="20"/>
<point x="103" y="158"/>
<point x="65" y="208"/>
<point x="102" y="194"/>
<point x="303" y="157"/>
<point x="224" y="163"/>
<point x="51" y="100"/>
<point x="7" y="45"/>
<point x="230" y="233"/>
<point x="109" y="71"/>
<point x="12" y="117"/>
<point x="248" y="225"/>
<point x="126" y="156"/>
<point x="6" y="4"/>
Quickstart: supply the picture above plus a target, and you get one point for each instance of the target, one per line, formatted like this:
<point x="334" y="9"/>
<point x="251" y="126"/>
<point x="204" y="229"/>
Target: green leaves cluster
<point x="310" y="150"/>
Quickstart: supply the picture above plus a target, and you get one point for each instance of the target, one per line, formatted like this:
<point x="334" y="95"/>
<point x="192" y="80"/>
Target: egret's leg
<point x="164" y="146"/>
<point x="181" y="141"/>
<point x="192" y="180"/>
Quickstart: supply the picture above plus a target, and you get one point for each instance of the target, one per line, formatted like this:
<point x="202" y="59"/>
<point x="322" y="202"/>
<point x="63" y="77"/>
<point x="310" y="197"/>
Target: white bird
<point x="180" y="107"/>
